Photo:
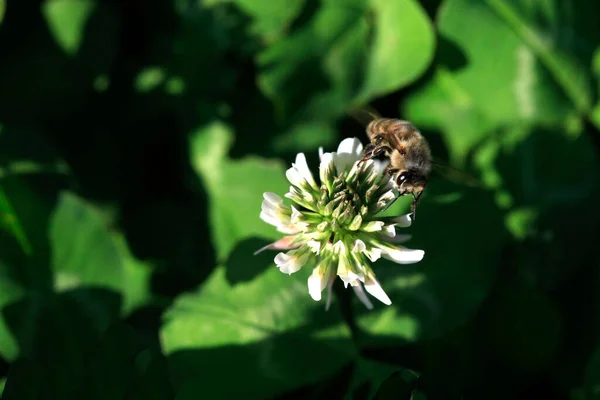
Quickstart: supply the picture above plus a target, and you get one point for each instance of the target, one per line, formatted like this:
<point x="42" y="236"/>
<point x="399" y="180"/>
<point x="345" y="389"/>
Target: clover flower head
<point x="332" y="225"/>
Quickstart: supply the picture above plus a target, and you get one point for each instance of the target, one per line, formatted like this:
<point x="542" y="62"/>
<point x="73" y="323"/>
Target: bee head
<point x="411" y="182"/>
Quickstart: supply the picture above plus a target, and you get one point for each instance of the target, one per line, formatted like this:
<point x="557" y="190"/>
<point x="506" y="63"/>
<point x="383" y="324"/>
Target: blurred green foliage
<point x="137" y="138"/>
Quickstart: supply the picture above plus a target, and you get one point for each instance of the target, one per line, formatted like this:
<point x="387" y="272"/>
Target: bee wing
<point x="364" y="115"/>
<point x="455" y="175"/>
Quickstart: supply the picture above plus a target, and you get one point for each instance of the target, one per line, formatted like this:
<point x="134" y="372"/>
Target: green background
<point x="137" y="138"/>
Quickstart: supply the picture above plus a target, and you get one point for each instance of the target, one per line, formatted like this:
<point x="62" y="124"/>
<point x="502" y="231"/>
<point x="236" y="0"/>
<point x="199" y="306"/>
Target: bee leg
<point x="393" y="201"/>
<point x="368" y="151"/>
<point x="372" y="151"/>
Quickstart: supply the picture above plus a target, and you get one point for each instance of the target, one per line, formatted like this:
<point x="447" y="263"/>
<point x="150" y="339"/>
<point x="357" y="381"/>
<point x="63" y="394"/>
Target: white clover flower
<point x="334" y="226"/>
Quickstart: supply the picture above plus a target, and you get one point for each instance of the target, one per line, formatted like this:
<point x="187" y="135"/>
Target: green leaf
<point x="24" y="266"/>
<point x="11" y="290"/>
<point x="10" y="222"/>
<point x="444" y="105"/>
<point x="67" y="20"/>
<point x="569" y="69"/>
<point x="328" y="64"/>
<point x="474" y="91"/>
<point x="270" y="18"/>
<point x="272" y="334"/>
<point x="235" y="187"/>
<point x="403" y="46"/>
<point x="595" y="113"/>
<point x="315" y="72"/>
<point x="86" y="253"/>
<point x="25" y="207"/>
<point x="2" y="9"/>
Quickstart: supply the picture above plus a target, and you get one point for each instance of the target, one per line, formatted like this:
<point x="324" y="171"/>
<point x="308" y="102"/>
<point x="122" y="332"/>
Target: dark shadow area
<point x="449" y="55"/>
<point x="146" y="321"/>
<point x="397" y="386"/>
<point x="239" y="269"/>
<point x="50" y="327"/>
<point x="309" y="9"/>
<point x="111" y="365"/>
<point x="269" y="367"/>
<point x="557" y="178"/>
<point x="327" y="389"/>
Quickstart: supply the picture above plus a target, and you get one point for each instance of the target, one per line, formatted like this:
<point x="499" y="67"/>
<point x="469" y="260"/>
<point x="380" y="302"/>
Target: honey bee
<point x="408" y="152"/>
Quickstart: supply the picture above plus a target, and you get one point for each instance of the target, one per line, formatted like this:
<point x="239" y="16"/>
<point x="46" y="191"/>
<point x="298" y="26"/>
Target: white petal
<point x="281" y="259"/>
<point x="285" y="243"/>
<point x="302" y="167"/>
<point x="290" y="229"/>
<point x="325" y="166"/>
<point x="350" y="146"/>
<point x="275" y="211"/>
<point x="339" y="248"/>
<point x="379" y="165"/>
<point x="403" y="221"/>
<point x="290" y="262"/>
<point x="375" y="290"/>
<point x="374" y="254"/>
<point x="273" y="198"/>
<point x="295" y="214"/>
<point x="349" y="152"/>
<point x="308" y="197"/>
<point x="320" y="152"/>
<point x="349" y="277"/>
<point x="270" y="219"/>
<point x="316" y="284"/>
<point x="359" y="246"/>
<point x="360" y="293"/>
<point x="301" y="226"/>
<point x="373" y="226"/>
<point x="314" y="245"/>
<point x="389" y="230"/>
<point x="294" y="177"/>
<point x="343" y="162"/>
<point x="402" y="255"/>
<point x="326" y="158"/>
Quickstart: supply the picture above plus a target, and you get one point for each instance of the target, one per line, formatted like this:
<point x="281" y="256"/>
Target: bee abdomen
<point x="390" y="126"/>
